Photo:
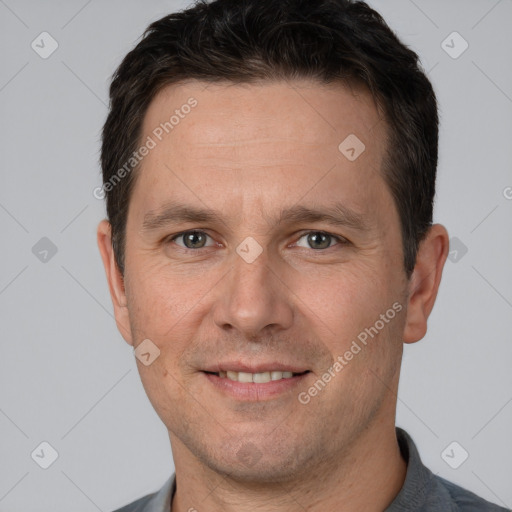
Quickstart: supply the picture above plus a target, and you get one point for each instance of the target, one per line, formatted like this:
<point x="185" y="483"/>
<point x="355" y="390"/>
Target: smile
<point x="258" y="378"/>
<point x="255" y="387"/>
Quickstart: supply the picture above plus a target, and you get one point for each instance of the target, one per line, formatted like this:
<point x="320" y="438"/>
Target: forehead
<point x="226" y="112"/>
<point x="256" y="142"/>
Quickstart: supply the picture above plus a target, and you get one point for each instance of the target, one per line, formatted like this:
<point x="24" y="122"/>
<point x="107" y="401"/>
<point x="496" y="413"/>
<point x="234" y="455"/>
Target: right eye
<point x="192" y="239"/>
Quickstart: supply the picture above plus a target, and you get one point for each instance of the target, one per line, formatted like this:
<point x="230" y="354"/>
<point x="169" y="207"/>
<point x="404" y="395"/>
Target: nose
<point x="253" y="299"/>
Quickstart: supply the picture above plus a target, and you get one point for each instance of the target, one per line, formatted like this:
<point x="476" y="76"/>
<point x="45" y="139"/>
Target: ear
<point x="424" y="282"/>
<point x="115" y="280"/>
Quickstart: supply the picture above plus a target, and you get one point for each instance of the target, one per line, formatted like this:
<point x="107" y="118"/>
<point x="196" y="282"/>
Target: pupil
<point x="319" y="240"/>
<point x="194" y="240"/>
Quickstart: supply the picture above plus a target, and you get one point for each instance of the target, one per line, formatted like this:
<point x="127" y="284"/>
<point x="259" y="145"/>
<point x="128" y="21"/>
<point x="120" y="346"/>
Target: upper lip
<point x="254" y="367"/>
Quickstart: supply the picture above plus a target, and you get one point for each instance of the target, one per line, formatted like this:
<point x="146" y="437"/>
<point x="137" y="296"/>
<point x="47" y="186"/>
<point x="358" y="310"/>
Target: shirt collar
<point x="161" y="501"/>
<point x="418" y="478"/>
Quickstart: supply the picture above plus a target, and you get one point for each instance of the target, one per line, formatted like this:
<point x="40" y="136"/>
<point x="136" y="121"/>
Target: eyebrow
<point x="335" y="215"/>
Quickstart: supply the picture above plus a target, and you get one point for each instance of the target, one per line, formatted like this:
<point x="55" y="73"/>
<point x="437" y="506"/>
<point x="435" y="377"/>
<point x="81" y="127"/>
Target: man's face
<point x="263" y="157"/>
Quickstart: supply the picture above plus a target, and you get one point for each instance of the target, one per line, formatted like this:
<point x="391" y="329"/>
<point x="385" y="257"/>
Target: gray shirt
<point x="422" y="490"/>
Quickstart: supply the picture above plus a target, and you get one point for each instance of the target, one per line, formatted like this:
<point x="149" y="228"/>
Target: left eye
<point x="318" y="240"/>
<point x="192" y="239"/>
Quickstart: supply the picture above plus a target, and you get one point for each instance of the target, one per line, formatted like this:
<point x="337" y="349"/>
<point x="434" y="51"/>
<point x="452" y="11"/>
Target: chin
<point x="250" y="463"/>
<point x="259" y="474"/>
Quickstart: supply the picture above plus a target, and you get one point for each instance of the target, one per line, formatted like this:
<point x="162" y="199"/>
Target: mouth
<point x="257" y="378"/>
<point x="267" y="383"/>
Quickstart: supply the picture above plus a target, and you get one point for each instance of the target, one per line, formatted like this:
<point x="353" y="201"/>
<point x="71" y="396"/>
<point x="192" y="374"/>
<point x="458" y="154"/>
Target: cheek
<point x="344" y="302"/>
<point x="164" y="310"/>
<point x="161" y="304"/>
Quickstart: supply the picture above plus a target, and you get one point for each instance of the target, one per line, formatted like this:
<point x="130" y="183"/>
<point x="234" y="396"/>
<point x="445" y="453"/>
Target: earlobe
<point x="424" y="282"/>
<point x="115" y="280"/>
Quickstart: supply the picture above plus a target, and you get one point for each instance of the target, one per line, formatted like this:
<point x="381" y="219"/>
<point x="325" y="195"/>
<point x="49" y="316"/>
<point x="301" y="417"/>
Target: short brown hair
<point x="244" y="41"/>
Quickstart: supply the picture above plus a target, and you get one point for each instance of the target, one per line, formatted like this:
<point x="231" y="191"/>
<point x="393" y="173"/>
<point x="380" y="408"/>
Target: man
<point x="269" y="171"/>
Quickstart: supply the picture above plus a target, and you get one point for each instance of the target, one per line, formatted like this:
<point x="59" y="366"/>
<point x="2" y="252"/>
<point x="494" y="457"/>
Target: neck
<point x="367" y="477"/>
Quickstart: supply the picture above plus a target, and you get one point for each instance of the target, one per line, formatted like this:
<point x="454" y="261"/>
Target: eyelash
<point x="339" y="239"/>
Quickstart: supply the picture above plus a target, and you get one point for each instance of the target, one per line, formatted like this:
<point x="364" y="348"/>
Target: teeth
<point x="244" y="377"/>
<point x="286" y="375"/>
<point x="259" y="378"/>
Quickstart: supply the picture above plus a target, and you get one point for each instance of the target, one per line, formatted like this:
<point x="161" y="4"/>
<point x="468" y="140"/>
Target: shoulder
<point x="159" y="501"/>
<point x="138" y="505"/>
<point x="425" y="492"/>
<point x="464" y="500"/>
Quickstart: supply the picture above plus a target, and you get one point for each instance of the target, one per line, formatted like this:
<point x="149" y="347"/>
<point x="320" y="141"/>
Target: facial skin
<point x="249" y="152"/>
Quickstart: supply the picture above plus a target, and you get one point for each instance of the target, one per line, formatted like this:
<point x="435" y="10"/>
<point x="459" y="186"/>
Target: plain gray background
<point x="68" y="378"/>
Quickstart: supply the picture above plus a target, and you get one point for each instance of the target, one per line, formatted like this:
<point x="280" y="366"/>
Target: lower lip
<point x="252" y="391"/>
